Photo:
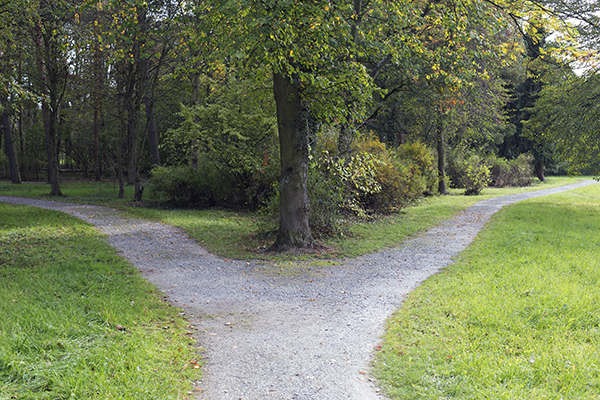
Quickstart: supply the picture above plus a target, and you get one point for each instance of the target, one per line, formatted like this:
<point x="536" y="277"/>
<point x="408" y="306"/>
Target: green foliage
<point x="477" y="175"/>
<point x="326" y="196"/>
<point x="78" y="322"/>
<point x="468" y="170"/>
<point x="405" y="174"/>
<point x="182" y="186"/>
<point x="233" y="135"/>
<point x="473" y="171"/>
<point x="567" y="114"/>
<point x="373" y="179"/>
<point x="514" y="318"/>
<point x="516" y="172"/>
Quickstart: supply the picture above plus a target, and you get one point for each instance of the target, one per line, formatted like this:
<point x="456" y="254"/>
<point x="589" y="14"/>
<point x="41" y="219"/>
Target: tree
<point x="50" y="26"/>
<point x="300" y="43"/>
<point x="567" y="114"/>
<point x="6" y="81"/>
<point x="445" y="83"/>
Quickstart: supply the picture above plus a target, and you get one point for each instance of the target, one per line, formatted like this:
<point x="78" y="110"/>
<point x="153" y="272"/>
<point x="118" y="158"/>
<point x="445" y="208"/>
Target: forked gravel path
<point x="268" y="334"/>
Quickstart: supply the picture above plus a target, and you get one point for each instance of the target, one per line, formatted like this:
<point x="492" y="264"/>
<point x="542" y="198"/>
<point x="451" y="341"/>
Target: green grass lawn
<point x="516" y="317"/>
<point x="77" y="321"/>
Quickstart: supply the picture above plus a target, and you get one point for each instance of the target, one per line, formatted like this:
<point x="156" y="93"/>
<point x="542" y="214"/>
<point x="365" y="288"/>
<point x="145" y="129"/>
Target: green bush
<point x="338" y="185"/>
<point x="423" y="158"/>
<point x="233" y="135"/>
<point x="517" y="172"/>
<point x="326" y="197"/>
<point x="180" y="186"/>
<point x="465" y="167"/>
<point x="404" y="174"/>
<point x="477" y="175"/>
<point x="372" y="179"/>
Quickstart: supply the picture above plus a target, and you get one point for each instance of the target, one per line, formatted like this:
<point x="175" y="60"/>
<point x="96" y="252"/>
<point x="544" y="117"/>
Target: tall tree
<point x="49" y="29"/>
<point x="6" y="81"/>
<point x="301" y="43"/>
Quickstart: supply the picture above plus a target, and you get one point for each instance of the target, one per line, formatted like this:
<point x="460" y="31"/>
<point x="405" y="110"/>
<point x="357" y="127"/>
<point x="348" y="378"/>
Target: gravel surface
<point x="272" y="334"/>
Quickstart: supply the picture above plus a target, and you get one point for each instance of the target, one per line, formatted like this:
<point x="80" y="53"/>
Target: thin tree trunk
<point x="152" y="133"/>
<point x="539" y="170"/>
<point x="148" y="87"/>
<point x="441" y="157"/>
<point x="9" y="146"/>
<point x="294" y="231"/>
<point x="96" y="140"/>
<point x="53" y="164"/>
<point x="120" y="175"/>
<point x="195" y="100"/>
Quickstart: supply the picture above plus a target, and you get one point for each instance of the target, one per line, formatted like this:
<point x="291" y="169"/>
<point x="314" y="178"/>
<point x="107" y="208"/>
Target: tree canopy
<point x="118" y="88"/>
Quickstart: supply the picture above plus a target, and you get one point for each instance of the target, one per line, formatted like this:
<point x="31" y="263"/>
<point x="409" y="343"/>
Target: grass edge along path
<point x="515" y="317"/>
<point x="230" y="234"/>
<point x="77" y="321"/>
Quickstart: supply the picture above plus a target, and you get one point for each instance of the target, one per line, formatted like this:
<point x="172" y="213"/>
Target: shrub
<point x="516" y="172"/>
<point x="233" y="134"/>
<point x="372" y="179"/>
<point x="424" y="158"/>
<point x="180" y="186"/>
<point x="477" y="175"/>
<point x="468" y="170"/>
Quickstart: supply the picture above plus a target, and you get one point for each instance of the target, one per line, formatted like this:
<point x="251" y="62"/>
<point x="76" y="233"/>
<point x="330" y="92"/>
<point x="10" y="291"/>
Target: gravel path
<point x="269" y="334"/>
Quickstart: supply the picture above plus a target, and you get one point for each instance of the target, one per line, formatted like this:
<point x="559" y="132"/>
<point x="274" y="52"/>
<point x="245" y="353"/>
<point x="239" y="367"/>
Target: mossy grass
<point x="77" y="321"/>
<point x="516" y="317"/>
<point x="238" y="235"/>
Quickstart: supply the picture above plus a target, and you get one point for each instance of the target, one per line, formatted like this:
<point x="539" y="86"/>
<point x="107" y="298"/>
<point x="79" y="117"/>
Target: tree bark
<point x="98" y="77"/>
<point x="150" y="115"/>
<point x="294" y="230"/>
<point x="195" y="149"/>
<point x="539" y="170"/>
<point x="9" y="146"/>
<point x="441" y="157"/>
<point x="120" y="175"/>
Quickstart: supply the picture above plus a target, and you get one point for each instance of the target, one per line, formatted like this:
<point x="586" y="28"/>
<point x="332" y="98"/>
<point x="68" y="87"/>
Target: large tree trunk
<point x="9" y="146"/>
<point x="441" y="157"/>
<point x="294" y="231"/>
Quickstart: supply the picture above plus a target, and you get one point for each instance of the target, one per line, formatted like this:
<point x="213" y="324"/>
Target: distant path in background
<point x="268" y="334"/>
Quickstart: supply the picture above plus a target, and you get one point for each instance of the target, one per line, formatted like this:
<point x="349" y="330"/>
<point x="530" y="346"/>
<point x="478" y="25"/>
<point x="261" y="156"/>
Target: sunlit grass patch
<point x="76" y="321"/>
<point x="516" y="317"/>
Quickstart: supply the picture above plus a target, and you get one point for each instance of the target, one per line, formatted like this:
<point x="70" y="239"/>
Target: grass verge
<point x="233" y="234"/>
<point x="516" y="317"/>
<point x="77" y="321"/>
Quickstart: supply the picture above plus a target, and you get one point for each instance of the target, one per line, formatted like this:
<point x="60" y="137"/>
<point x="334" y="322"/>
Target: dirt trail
<point x="269" y="334"/>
